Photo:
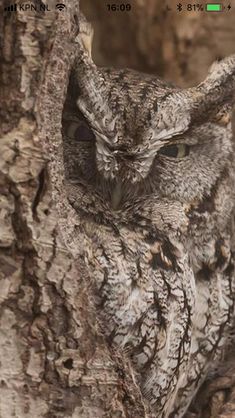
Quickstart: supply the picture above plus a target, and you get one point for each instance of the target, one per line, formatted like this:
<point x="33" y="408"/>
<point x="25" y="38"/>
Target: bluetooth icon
<point x="179" y="7"/>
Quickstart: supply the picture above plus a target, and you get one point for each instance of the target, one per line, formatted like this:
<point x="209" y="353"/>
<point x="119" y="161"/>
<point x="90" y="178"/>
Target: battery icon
<point x="214" y="7"/>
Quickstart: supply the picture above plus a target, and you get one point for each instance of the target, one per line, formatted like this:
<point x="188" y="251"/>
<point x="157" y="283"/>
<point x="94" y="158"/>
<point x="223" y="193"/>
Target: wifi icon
<point x="60" y="6"/>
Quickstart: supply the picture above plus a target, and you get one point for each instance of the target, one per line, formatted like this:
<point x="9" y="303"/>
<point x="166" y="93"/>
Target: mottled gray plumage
<point x="152" y="174"/>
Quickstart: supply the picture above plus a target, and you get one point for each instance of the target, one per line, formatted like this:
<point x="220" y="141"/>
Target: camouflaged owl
<point x="153" y="169"/>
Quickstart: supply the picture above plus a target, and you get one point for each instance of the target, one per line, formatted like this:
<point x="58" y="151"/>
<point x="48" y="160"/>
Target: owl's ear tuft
<point x="86" y="33"/>
<point x="218" y="88"/>
<point x="215" y="95"/>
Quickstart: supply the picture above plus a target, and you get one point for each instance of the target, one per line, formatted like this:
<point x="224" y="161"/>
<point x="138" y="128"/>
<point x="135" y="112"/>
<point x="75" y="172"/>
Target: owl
<point x="151" y="167"/>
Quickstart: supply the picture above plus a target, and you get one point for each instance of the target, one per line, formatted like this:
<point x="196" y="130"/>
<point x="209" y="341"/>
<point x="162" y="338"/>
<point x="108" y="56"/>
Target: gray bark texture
<point x="54" y="361"/>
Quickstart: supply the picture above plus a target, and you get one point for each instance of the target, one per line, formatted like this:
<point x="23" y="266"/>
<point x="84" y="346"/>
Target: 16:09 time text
<point x="124" y="7"/>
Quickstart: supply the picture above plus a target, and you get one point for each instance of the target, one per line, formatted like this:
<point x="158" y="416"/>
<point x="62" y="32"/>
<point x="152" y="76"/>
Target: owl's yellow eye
<point x="175" y="151"/>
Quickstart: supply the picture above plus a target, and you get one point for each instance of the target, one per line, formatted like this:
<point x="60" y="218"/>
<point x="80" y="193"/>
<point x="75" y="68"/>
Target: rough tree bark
<point x="54" y="360"/>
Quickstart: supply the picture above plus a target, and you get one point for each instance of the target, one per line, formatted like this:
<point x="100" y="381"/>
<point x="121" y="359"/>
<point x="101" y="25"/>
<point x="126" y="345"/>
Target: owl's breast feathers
<point x="165" y="296"/>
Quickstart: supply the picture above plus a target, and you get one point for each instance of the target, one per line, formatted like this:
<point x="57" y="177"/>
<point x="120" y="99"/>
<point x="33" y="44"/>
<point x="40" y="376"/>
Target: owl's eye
<point x="175" y="151"/>
<point x="80" y="131"/>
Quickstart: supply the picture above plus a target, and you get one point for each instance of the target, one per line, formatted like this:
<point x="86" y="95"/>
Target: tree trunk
<point x="54" y="359"/>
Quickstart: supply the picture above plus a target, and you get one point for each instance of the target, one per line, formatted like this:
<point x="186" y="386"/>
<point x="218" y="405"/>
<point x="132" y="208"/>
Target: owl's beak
<point x="116" y="195"/>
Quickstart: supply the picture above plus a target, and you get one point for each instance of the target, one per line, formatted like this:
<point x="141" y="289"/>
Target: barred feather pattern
<point x="150" y="171"/>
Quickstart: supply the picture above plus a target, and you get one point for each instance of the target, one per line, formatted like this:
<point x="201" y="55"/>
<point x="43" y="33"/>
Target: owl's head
<point x="133" y="135"/>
